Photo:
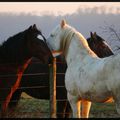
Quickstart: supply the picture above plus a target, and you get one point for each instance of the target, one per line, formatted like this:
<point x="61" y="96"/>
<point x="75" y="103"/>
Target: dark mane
<point x="15" y="55"/>
<point x="100" y="38"/>
<point x="99" y="45"/>
<point x="12" y="48"/>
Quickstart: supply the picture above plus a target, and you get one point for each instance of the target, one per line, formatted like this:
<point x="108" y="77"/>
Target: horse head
<point x="96" y="38"/>
<point x="58" y="39"/>
<point x="99" y="45"/>
<point x="38" y="47"/>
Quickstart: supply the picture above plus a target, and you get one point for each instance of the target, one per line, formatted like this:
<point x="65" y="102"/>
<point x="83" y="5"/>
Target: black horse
<point x="15" y="55"/>
<point x="38" y="85"/>
<point x="99" y="46"/>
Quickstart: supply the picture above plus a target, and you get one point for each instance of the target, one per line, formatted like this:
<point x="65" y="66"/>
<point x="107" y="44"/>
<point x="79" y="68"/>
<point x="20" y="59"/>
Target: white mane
<point x="68" y="31"/>
<point x="87" y="78"/>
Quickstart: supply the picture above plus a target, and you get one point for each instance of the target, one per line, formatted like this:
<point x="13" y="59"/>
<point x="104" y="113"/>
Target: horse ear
<point x="91" y="34"/>
<point x="63" y="22"/>
<point x="30" y="27"/>
<point x="94" y="36"/>
<point x="95" y="33"/>
<point x="34" y="27"/>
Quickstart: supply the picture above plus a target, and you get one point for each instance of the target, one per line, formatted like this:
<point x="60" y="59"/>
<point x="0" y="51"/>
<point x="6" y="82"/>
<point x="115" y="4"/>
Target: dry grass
<point x="103" y="110"/>
<point x="29" y="107"/>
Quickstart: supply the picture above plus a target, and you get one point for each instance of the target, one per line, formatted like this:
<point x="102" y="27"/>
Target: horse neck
<point x="78" y="47"/>
<point x="10" y="55"/>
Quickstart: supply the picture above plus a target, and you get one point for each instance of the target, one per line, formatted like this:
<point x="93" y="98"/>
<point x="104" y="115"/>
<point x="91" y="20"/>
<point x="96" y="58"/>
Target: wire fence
<point x="97" y="110"/>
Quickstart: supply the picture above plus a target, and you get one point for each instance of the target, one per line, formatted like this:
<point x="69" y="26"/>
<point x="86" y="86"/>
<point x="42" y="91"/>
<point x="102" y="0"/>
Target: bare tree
<point x="112" y="33"/>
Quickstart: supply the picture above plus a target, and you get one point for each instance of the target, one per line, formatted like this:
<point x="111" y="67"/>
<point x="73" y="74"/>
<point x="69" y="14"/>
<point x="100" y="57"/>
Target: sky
<point x="56" y="8"/>
<point x="84" y="16"/>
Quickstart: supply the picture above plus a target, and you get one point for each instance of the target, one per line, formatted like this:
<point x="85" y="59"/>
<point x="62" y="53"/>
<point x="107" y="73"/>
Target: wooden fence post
<point x="52" y="81"/>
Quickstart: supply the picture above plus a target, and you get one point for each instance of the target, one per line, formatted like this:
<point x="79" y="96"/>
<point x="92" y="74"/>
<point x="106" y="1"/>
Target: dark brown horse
<point x="15" y="55"/>
<point x="38" y="85"/>
<point x="99" y="46"/>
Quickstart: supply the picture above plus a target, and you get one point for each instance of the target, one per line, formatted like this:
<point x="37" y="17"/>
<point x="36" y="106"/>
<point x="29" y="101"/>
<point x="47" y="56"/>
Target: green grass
<point x="103" y="110"/>
<point x="29" y="107"/>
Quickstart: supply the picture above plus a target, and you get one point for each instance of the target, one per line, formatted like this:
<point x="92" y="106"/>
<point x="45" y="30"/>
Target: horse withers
<point x="102" y="50"/>
<point x="16" y="53"/>
<point x="93" y="79"/>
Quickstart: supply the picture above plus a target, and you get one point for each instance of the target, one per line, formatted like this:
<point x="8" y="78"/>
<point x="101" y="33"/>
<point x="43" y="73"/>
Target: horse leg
<point x="75" y="105"/>
<point x="68" y="110"/>
<point x="2" y="113"/>
<point x="6" y="102"/>
<point x="61" y="107"/>
<point x="15" y="98"/>
<point x="117" y="103"/>
<point x="4" y="106"/>
<point x="13" y="89"/>
<point x="116" y="98"/>
<point x="85" y="108"/>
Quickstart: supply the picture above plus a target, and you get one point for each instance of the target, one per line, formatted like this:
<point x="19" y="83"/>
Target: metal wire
<point x="36" y="87"/>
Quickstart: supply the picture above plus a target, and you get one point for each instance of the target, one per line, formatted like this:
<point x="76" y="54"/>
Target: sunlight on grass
<point x="29" y="107"/>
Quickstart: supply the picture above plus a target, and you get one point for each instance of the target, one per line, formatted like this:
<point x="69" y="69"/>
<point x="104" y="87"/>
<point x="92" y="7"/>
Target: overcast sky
<point x="84" y="16"/>
<point x="57" y="8"/>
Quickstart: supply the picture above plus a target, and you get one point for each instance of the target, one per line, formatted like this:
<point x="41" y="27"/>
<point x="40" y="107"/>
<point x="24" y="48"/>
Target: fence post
<point x="52" y="81"/>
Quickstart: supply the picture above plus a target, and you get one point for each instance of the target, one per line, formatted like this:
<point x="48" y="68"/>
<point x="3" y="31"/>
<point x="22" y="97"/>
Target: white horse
<point x="88" y="78"/>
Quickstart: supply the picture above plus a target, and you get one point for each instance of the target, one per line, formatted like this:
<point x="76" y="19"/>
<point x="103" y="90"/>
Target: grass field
<point x="29" y="107"/>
